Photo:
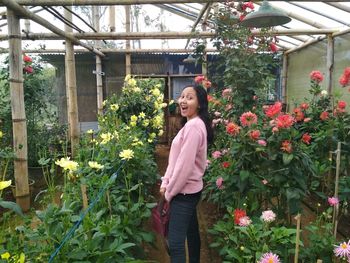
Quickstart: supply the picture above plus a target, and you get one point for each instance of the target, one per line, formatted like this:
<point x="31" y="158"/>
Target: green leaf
<point x="287" y="158"/>
<point x="12" y="206"/>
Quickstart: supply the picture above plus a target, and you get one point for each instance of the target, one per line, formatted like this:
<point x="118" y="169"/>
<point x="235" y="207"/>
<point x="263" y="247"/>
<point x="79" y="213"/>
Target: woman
<point x="182" y="183"/>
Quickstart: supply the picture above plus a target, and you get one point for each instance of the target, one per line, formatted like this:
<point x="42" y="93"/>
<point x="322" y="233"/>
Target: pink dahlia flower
<point x="268" y="216"/>
<point x="244" y="221"/>
<point x="219" y="182"/>
<point x="269" y="258"/>
<point x="333" y="201"/>
<point x="343" y="250"/>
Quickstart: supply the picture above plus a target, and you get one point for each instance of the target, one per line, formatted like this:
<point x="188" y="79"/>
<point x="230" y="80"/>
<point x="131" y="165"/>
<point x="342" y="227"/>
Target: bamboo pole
<point x="167" y="35"/>
<point x="336" y="189"/>
<point x="71" y="87"/>
<point x="105" y="2"/>
<point x="111" y="50"/>
<point x="127" y="45"/>
<point x="284" y="78"/>
<point x="84" y="196"/>
<point x="98" y="71"/>
<point x="111" y="18"/>
<point x="18" y="112"/>
<point x="297" y="239"/>
<point x="127" y="2"/>
<point x="330" y="63"/>
<point x="23" y="12"/>
<point x="199" y="18"/>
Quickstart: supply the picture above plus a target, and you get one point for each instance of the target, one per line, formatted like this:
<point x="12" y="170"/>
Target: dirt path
<point x="157" y="253"/>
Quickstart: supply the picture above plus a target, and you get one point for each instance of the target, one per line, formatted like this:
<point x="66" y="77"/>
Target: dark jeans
<point x="184" y="223"/>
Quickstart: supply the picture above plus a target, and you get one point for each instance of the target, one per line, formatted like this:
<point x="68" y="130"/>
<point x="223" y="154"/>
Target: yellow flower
<point x="106" y="137"/>
<point x="114" y="107"/>
<point x="127" y="77"/>
<point x="171" y="102"/>
<point x="1" y="134"/>
<point x="104" y="103"/>
<point x="160" y="133"/>
<point x="132" y="82"/>
<point x="5" y="184"/>
<point x="91" y="131"/>
<point x="152" y="135"/>
<point x="156" y="92"/>
<point x="133" y="118"/>
<point x="145" y="123"/>
<point x="126" y="154"/>
<point x="95" y="165"/>
<point x="142" y="115"/>
<point x="22" y="258"/>
<point x="67" y="164"/>
<point x="164" y="105"/>
<point x="137" y="90"/>
<point x="132" y="124"/>
<point x="5" y="255"/>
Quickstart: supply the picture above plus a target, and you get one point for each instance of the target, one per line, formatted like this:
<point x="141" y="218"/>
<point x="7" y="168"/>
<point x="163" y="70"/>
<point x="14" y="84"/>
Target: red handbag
<point x="160" y="217"/>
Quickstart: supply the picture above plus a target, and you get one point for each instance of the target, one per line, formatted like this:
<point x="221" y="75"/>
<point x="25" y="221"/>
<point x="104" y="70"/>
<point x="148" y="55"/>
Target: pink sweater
<point x="187" y="160"/>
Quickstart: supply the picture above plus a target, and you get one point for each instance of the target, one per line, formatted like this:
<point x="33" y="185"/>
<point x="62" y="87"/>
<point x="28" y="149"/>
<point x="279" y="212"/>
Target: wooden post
<point x="297" y="239"/>
<point x="71" y="88"/>
<point x="98" y="71"/>
<point x="18" y="111"/>
<point x="330" y="62"/>
<point x="84" y="196"/>
<point x="127" y="29"/>
<point x="336" y="207"/>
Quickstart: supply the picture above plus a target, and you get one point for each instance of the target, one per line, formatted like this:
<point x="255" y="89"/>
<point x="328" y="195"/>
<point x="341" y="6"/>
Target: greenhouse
<point x="174" y="131"/>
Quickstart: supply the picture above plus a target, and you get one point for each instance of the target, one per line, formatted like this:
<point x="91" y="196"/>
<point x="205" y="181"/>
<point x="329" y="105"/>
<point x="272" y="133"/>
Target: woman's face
<point x="188" y="102"/>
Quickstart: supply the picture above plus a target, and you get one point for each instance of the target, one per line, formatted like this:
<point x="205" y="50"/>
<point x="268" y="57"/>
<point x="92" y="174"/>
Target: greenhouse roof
<point x="160" y="25"/>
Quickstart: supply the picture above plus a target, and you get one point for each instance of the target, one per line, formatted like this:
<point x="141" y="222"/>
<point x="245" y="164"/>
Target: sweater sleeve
<point x="185" y="162"/>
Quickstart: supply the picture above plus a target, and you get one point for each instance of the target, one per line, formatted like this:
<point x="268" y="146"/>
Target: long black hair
<point x="203" y="111"/>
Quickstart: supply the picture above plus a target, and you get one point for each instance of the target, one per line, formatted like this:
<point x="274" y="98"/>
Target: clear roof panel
<point x="174" y="17"/>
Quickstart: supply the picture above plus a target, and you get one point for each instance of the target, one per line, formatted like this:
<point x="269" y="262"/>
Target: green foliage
<point x="112" y="230"/>
<point x="40" y="105"/>
<point x="248" y="243"/>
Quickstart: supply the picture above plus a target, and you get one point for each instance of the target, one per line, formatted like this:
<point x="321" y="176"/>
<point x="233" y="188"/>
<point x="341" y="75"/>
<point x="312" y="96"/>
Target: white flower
<point x="324" y="92"/>
<point x="268" y="216"/>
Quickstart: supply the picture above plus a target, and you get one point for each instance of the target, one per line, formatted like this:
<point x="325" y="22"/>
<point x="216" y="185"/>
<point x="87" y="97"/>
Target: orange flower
<point x="232" y="129"/>
<point x="248" y="118"/>
<point x="324" y="115"/>
<point x="273" y="110"/>
<point x="306" y="138"/>
<point x="299" y="114"/>
<point x="254" y="135"/>
<point x="238" y="214"/>
<point x="284" y="121"/>
<point x="287" y="146"/>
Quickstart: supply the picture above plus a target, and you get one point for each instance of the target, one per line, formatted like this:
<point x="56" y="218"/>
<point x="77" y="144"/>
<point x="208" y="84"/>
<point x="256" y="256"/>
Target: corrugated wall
<point x="313" y="57"/>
